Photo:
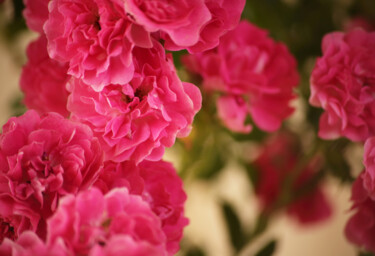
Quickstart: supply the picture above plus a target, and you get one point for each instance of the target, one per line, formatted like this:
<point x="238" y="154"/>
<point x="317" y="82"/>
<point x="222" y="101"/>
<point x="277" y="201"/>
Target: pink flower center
<point x="6" y="230"/>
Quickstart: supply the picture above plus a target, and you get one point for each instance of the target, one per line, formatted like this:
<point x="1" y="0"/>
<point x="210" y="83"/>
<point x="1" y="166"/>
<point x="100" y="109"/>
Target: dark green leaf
<point x="268" y="249"/>
<point x="237" y="235"/>
<point x="195" y="251"/>
<point x="365" y="254"/>
<point x="336" y="160"/>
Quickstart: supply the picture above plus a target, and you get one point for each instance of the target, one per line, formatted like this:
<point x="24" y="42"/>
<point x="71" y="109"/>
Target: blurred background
<point x="225" y="215"/>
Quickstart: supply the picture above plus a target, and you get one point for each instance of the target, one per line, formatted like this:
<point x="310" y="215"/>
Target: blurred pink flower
<point x="225" y="15"/>
<point x="369" y="161"/>
<point x="136" y="120"/>
<point x="114" y="224"/>
<point x="43" y="80"/>
<point x="41" y="159"/>
<point x="360" y="228"/>
<point x="29" y="244"/>
<point x="343" y="84"/>
<point x="96" y="38"/>
<point x="159" y="185"/>
<point x="254" y="75"/>
<point x="276" y="162"/>
<point x="36" y="14"/>
<point x="359" y="22"/>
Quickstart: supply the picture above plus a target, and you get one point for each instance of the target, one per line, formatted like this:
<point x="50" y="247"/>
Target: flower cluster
<point x="254" y="75"/>
<point x="343" y="84"/>
<point x="81" y="171"/>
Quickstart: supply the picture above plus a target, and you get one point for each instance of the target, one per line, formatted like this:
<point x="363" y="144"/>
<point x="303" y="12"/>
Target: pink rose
<point x="41" y="159"/>
<point x="43" y="80"/>
<point x="225" y="15"/>
<point x="343" y="84"/>
<point x="159" y="185"/>
<point x="360" y="228"/>
<point x="36" y="13"/>
<point x="135" y="121"/>
<point x="181" y="20"/>
<point x="15" y="215"/>
<point x="114" y="224"/>
<point x="276" y="162"/>
<point x="255" y="75"/>
<point x="96" y="38"/>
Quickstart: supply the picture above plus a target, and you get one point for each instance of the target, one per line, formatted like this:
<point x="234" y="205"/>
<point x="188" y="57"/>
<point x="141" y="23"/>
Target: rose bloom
<point x="43" y="80"/>
<point x="41" y="159"/>
<point x="275" y="163"/>
<point x="225" y="15"/>
<point x="136" y="120"/>
<point x="254" y="76"/>
<point x="360" y="228"/>
<point x="343" y="84"/>
<point x="159" y="185"/>
<point x="96" y="38"/>
<point x="113" y="224"/>
<point x="36" y="13"/>
<point x="181" y="20"/>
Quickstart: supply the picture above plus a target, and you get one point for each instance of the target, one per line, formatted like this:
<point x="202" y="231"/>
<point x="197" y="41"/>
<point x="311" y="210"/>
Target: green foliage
<point x="17" y="24"/>
<point x="268" y="249"/>
<point x="17" y="106"/>
<point x="365" y="254"/>
<point x="195" y="251"/>
<point x="336" y="160"/>
<point x="235" y="229"/>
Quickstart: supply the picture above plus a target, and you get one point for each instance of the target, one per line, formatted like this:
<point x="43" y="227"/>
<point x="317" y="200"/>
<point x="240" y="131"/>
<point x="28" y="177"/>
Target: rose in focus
<point x="159" y="185"/>
<point x="137" y="120"/>
<point x="43" y="158"/>
<point x="343" y="84"/>
<point x="252" y="74"/>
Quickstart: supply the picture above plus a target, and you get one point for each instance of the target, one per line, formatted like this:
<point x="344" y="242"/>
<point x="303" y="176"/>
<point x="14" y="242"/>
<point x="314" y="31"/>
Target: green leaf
<point x="195" y="251"/>
<point x="268" y="249"/>
<point x="365" y="254"/>
<point x="336" y="160"/>
<point x="17" y="106"/>
<point x="237" y="235"/>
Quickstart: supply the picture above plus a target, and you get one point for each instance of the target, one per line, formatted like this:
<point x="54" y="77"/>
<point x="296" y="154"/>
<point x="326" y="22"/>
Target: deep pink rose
<point x="343" y="84"/>
<point x="225" y="15"/>
<point x="96" y="38"/>
<point x="276" y="162"/>
<point x="135" y="121"/>
<point x="360" y="228"/>
<point x="114" y="224"/>
<point x="43" y="80"/>
<point x="15" y="215"/>
<point x="36" y="13"/>
<point x="41" y="159"/>
<point x="159" y="185"/>
<point x="255" y="75"/>
<point x="181" y="20"/>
